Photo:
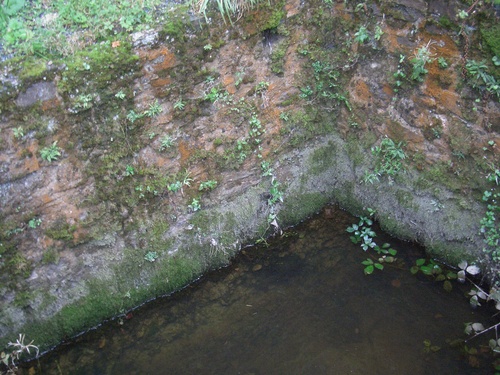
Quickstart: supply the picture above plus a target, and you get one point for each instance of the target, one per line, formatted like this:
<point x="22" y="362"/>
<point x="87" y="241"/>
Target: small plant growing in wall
<point x="151" y="256"/>
<point x="361" y="35"/>
<point x="179" y="105"/>
<point x="207" y="185"/>
<point x="422" y="57"/>
<point x="50" y="153"/>
<point x="195" y="205"/>
<point x="153" y="110"/>
<point x="389" y="157"/>
<point x="166" y="142"/>
<point x="490" y="229"/>
<point x="18" y="132"/>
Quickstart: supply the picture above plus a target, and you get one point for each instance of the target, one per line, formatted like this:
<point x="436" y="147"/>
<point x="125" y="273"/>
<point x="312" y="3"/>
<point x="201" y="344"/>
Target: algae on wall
<point x="285" y="104"/>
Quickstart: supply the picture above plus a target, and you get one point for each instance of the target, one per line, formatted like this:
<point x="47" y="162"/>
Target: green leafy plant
<point x="490" y="229"/>
<point x="442" y="63"/>
<point x="132" y="116"/>
<point x="265" y="166"/>
<point x="153" y="110"/>
<point x="276" y="195"/>
<point x="207" y="185"/>
<point x="19" y="348"/>
<point x="284" y="116"/>
<point x="18" y="132"/>
<point x="179" y="104"/>
<point x="166" y="142"/>
<point x="400" y="75"/>
<point x="378" y="32"/>
<point x="50" y="153"/>
<point x="306" y="92"/>
<point x="389" y="157"/>
<point x="431" y="268"/>
<point x="363" y="234"/>
<point x="422" y="57"/>
<point x="174" y="187"/>
<point x="361" y="35"/>
<point x="370" y="266"/>
<point x="213" y="95"/>
<point x="34" y="223"/>
<point x="429" y="348"/>
<point x="151" y="256"/>
<point x="129" y="170"/>
<point x="262" y="87"/>
<point x="120" y="95"/>
<point x="195" y="205"/>
<point x="207" y="47"/>
<point x="481" y="78"/>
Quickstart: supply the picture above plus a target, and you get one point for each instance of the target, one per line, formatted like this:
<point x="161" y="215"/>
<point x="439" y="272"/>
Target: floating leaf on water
<point x="482" y="295"/>
<point x="435" y="348"/>
<point x="389" y="259"/>
<point x="461" y="276"/>
<point x="493" y="344"/>
<point x="462" y="265"/>
<point x="393" y="252"/>
<point x="451" y="275"/>
<point x="426" y="270"/>
<point x="420" y="262"/>
<point x="473" y="270"/>
<point x="477" y="327"/>
<point x="440" y="277"/>
<point x="427" y="343"/>
<point x="447" y="286"/>
<point x="468" y="329"/>
<point x="414" y="270"/>
<point x="379" y="266"/>
<point x="368" y="270"/>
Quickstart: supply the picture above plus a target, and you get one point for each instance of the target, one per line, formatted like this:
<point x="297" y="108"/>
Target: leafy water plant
<point x="20" y="348"/>
<point x="363" y="234"/>
<point x="51" y="152"/>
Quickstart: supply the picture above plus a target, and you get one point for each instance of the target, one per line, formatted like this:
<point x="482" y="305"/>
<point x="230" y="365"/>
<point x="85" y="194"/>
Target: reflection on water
<point x="301" y="306"/>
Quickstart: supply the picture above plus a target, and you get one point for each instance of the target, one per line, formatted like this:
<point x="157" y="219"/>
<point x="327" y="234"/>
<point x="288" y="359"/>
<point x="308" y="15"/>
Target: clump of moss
<point x="491" y="36"/>
<point x="61" y="230"/>
<point x="96" y="68"/>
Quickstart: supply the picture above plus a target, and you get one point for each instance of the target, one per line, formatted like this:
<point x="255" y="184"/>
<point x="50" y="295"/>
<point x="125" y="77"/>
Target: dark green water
<point x="300" y="306"/>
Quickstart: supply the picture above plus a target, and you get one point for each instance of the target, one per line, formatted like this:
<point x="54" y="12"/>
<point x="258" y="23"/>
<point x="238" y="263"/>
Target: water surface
<point x="300" y="306"/>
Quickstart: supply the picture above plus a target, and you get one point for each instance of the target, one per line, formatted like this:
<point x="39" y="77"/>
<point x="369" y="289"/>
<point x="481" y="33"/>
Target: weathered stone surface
<point x="109" y="199"/>
<point x="38" y="92"/>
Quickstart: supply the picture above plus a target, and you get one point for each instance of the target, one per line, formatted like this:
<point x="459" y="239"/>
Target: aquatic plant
<point x="362" y="233"/>
<point x="20" y="348"/>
